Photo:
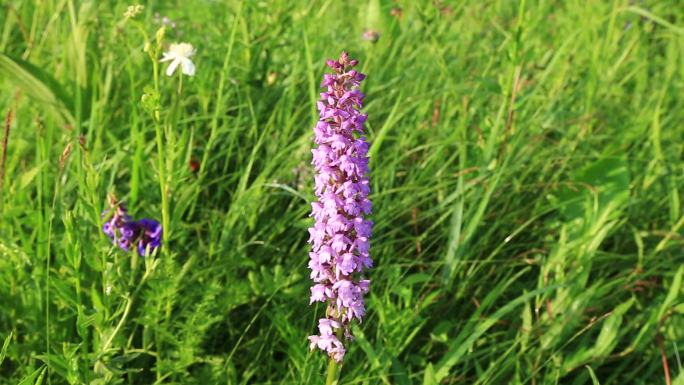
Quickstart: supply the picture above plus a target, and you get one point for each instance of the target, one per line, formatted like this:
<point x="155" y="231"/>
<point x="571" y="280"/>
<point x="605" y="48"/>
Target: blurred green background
<point x="526" y="166"/>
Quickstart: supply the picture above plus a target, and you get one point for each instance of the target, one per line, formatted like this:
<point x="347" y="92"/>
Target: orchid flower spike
<point x="341" y="233"/>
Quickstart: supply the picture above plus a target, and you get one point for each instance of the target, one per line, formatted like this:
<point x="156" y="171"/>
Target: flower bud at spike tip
<point x="160" y="34"/>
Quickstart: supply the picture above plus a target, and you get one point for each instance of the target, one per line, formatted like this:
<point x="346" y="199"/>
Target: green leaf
<point x="5" y="345"/>
<point x="469" y="335"/>
<point x="679" y="308"/>
<point x="392" y="118"/>
<point x="373" y="15"/>
<point x="26" y="178"/>
<point x="607" y="177"/>
<point x="372" y="356"/>
<point x="673" y="293"/>
<point x="399" y="373"/>
<point x="415" y="278"/>
<point x="526" y="329"/>
<point x="31" y="378"/>
<point x="39" y="86"/>
<point x="680" y="379"/>
<point x="607" y="338"/>
<point x="594" y="380"/>
<point x="429" y="376"/>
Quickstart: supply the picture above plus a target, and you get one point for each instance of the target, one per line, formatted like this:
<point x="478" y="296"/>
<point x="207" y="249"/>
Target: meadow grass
<point x="526" y="170"/>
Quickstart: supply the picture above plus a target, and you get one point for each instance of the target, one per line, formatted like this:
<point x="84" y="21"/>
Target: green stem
<point x="180" y="86"/>
<point x="161" y="164"/>
<point x="333" y="373"/>
<point x="161" y="158"/>
<point x="127" y="309"/>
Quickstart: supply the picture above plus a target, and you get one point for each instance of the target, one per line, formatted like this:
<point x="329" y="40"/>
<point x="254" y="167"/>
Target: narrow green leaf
<point x="373" y="16"/>
<point x="429" y="377"/>
<point x="31" y="378"/>
<point x="5" y="345"/>
<point x="458" y="349"/>
<point x="594" y="380"/>
<point x="679" y="380"/>
<point x="389" y="122"/>
<point x="673" y="293"/>
<point x="38" y="85"/>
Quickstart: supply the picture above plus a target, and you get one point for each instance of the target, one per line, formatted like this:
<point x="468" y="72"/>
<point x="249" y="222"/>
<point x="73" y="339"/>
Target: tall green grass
<point x="526" y="165"/>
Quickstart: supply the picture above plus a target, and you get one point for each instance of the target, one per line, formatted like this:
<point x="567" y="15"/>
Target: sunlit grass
<point x="526" y="172"/>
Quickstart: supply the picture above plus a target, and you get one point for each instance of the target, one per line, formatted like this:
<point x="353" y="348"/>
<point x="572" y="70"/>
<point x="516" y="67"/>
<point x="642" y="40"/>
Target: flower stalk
<point x="333" y="375"/>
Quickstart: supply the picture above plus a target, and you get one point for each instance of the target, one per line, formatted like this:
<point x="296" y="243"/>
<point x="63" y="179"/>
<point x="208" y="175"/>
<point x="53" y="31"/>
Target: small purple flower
<point x="340" y="236"/>
<point x="125" y="232"/>
<point x="150" y="235"/>
<point x="164" y="20"/>
<point x="120" y="225"/>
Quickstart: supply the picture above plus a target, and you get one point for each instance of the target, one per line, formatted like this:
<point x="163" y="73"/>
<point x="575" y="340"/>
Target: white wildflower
<point x="180" y="54"/>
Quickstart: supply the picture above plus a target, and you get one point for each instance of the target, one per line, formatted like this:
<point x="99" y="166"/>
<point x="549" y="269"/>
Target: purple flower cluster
<point x="340" y="235"/>
<point x="145" y="234"/>
<point x="164" y="20"/>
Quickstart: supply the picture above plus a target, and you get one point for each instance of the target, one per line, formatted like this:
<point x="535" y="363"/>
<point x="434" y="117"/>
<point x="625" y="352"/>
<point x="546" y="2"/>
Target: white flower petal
<point x="188" y="67"/>
<point x="167" y="56"/>
<point x="172" y="67"/>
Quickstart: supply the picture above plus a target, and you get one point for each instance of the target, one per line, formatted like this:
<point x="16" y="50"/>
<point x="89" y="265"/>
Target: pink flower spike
<point x="340" y="237"/>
